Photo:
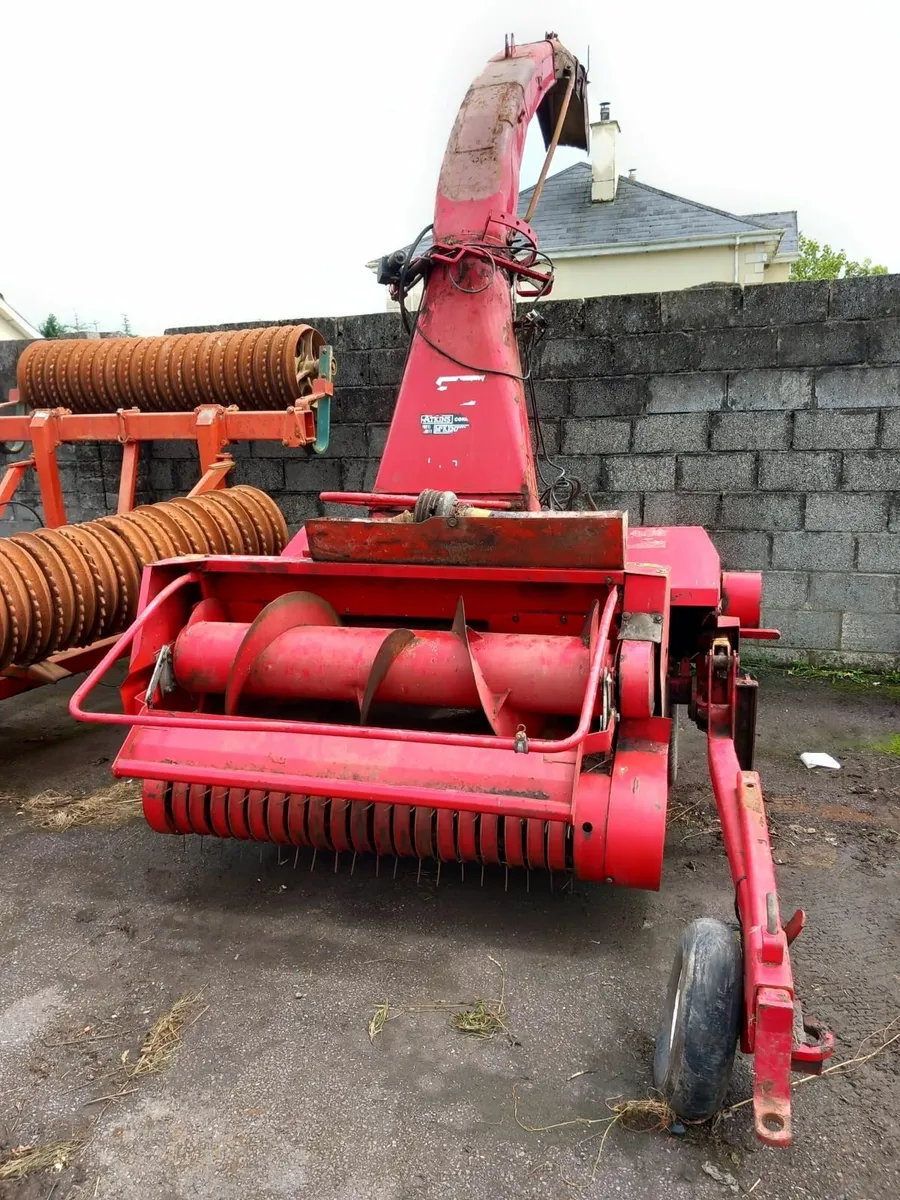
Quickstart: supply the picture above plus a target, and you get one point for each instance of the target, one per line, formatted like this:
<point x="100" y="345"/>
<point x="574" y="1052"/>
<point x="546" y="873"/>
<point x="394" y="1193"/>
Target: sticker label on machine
<point x="443" y="423"/>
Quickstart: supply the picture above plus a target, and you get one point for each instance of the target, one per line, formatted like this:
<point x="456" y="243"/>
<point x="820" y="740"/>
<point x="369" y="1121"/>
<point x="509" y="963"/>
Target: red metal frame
<point x="211" y="426"/>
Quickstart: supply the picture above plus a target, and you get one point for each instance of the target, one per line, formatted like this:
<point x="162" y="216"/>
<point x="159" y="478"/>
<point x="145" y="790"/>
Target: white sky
<point x="197" y="162"/>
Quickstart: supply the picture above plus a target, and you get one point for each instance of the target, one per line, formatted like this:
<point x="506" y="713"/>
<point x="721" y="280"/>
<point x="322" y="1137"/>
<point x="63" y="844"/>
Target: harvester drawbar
<point x="459" y="675"/>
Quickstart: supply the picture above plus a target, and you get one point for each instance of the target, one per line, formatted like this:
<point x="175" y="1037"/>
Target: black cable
<point x="562" y="492"/>
<point x="401" y="282"/>
<point x="22" y="504"/>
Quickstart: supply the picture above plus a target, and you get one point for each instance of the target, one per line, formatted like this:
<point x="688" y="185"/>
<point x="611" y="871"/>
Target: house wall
<point x="770" y="416"/>
<point x="662" y="270"/>
<point x="8" y="331"/>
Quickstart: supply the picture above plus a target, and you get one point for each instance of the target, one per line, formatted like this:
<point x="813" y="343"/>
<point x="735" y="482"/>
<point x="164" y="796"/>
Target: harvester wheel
<point x="698" y="1037"/>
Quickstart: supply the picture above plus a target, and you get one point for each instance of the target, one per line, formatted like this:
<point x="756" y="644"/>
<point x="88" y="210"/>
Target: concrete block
<point x="884" y="341"/>
<point x="353" y="368"/>
<point x="550" y="434"/>
<point x="695" y="391"/>
<point x="573" y="358"/>
<point x="277" y="450"/>
<point x="353" y="474"/>
<point x="299" y="507"/>
<point x="813" y="551"/>
<point x="605" y="315"/>
<point x="742" y="551"/>
<point x="583" y="467"/>
<point x="347" y="441"/>
<point x="824" y="344"/>
<point x="890" y="429"/>
<point x="552" y="396"/>
<point x="878" y="632"/>
<point x="173" y="450"/>
<point x="313" y="475"/>
<point x="760" y="390"/>
<point x="601" y="435"/>
<point x="565" y="318"/>
<point x="376" y="438"/>
<point x="894" y="514"/>
<point x="385" y="367"/>
<point x="868" y="296"/>
<point x="879" y="552"/>
<point x="648" y="353"/>
<point x="861" y="512"/>
<point x="805" y="630"/>
<point x="681" y="508"/>
<point x="858" y="387"/>
<point x="629" y="502"/>
<point x="834" y="430"/>
<point x="362" y="404"/>
<point x="675" y="433"/>
<point x="846" y="591"/>
<point x="185" y="475"/>
<point x="797" y="471"/>
<point x="738" y="349"/>
<point x="372" y="331"/>
<point x="786" y="589"/>
<point x="854" y="658"/>
<point x="716" y="472"/>
<point x="872" y="470"/>
<point x="761" y="511"/>
<point x="702" y="308"/>
<point x="614" y="396"/>
<point x="265" y="473"/>
<point x="786" y="303"/>
<point x="162" y="477"/>
<point x="750" y="431"/>
<point x="638" y="472"/>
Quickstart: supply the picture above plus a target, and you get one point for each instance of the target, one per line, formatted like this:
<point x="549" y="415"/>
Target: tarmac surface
<point x="276" y="1089"/>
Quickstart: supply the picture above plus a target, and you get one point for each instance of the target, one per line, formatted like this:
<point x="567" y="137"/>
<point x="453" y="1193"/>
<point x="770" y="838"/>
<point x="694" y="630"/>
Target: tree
<point x="51" y="327"/>
<point x="821" y="262"/>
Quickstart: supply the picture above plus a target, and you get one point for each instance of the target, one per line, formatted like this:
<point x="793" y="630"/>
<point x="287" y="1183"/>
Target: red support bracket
<point x="214" y="476"/>
<point x="12" y="477"/>
<point x="128" y="477"/>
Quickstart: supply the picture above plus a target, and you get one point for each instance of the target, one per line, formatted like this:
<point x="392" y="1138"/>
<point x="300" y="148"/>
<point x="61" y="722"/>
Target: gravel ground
<point x="277" y="1090"/>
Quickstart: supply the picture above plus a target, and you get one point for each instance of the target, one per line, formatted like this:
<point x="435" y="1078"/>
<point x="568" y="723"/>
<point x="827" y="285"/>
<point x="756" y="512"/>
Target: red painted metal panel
<point x="573" y="540"/>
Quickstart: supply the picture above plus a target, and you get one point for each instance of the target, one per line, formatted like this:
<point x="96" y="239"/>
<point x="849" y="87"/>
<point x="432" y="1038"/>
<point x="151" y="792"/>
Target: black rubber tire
<point x="673" y="746"/>
<point x="698" y="1036"/>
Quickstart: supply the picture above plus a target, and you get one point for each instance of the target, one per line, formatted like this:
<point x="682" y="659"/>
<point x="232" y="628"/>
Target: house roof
<point x="780" y="220"/>
<point x="17" y="320"/>
<point x="567" y="219"/>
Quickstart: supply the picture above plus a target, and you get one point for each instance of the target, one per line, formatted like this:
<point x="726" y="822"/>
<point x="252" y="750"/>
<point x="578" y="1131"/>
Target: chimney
<point x="604" y="177"/>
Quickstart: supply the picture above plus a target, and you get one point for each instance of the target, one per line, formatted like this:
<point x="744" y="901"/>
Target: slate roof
<point x="779" y="220"/>
<point x="567" y="219"/>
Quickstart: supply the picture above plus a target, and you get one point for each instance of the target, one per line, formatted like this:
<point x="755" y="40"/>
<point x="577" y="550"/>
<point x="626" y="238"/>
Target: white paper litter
<point x="810" y="759"/>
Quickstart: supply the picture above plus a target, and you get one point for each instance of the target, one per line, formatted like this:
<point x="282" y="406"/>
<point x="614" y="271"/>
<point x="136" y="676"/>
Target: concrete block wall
<point x="771" y="417"/>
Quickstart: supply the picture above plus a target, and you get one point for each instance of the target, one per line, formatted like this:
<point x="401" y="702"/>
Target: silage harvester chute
<point x="459" y="675"/>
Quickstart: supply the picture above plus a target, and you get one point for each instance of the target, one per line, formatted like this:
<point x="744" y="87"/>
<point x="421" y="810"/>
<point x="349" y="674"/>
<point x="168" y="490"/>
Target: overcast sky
<point x="199" y="162"/>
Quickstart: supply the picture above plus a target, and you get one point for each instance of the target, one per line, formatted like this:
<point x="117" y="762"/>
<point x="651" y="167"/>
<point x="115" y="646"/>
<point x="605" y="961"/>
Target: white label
<point x="442" y="423"/>
<point x="443" y="380"/>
